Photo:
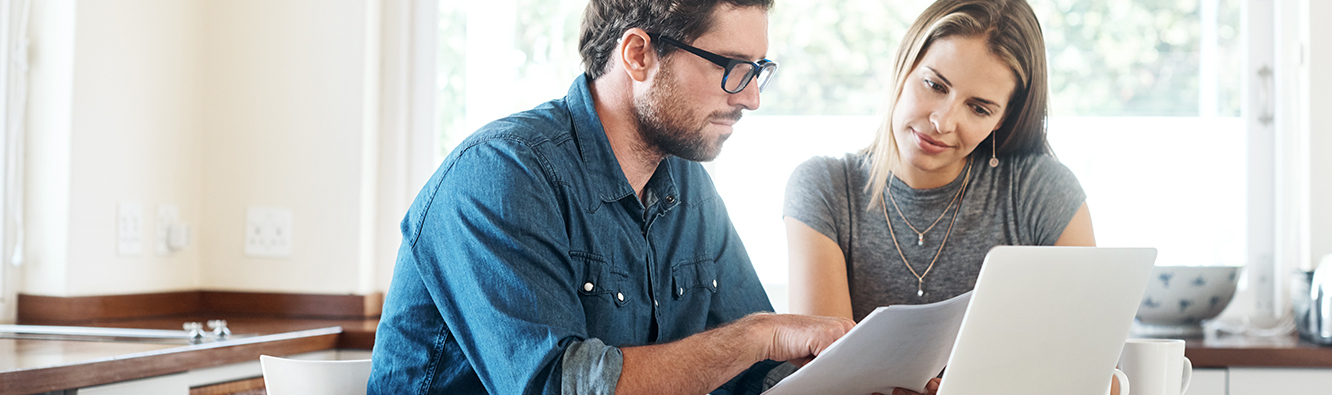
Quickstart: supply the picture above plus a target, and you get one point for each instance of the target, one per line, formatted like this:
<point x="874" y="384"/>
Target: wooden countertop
<point x="52" y="365"/>
<point x="1281" y="351"/>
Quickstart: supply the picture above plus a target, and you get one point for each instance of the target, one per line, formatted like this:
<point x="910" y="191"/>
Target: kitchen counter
<point x="260" y="323"/>
<point x="36" y="366"/>
<point x="1281" y="351"/>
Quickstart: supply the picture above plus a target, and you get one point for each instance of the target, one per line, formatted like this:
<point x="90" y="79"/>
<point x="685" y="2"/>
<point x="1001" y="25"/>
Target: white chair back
<point x="284" y="376"/>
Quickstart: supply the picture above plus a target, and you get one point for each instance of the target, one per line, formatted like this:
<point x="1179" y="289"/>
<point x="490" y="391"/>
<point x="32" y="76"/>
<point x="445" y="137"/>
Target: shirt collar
<point x="609" y="182"/>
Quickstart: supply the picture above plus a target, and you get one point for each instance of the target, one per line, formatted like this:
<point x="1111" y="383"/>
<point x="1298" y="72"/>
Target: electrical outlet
<point x="129" y="229"/>
<point x="268" y="232"/>
<point x="167" y="216"/>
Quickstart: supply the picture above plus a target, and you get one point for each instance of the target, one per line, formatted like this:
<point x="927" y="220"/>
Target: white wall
<point x="212" y="106"/>
<point x="134" y="138"/>
<point x="283" y="98"/>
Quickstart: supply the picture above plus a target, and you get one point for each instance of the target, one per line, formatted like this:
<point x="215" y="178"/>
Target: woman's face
<point x="956" y="95"/>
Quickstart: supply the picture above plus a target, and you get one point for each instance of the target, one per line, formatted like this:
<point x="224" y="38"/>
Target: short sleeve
<point x="1049" y="196"/>
<point x="816" y="193"/>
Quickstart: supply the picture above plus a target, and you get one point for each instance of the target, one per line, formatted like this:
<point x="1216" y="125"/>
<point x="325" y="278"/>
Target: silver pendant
<point x="920" y="293"/>
<point x="994" y="162"/>
<point x="920" y="240"/>
<point x="920" y="287"/>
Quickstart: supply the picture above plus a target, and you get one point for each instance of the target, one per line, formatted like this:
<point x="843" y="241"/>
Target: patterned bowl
<point x="1179" y="298"/>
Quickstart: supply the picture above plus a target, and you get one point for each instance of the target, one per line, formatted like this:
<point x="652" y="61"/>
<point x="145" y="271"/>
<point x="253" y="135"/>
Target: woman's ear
<point x="637" y="54"/>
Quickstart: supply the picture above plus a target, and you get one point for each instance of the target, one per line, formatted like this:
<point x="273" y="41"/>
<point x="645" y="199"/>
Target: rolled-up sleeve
<point x="591" y="367"/>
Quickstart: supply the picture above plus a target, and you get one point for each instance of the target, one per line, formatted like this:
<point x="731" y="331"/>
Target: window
<point x="1129" y="79"/>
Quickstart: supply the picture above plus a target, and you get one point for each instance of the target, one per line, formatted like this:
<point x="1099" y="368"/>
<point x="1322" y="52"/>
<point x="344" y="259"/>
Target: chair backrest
<point x="284" y="376"/>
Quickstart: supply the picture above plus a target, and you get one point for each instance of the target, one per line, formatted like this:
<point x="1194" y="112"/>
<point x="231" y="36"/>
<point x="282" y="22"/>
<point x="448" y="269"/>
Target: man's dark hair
<point x="605" y="20"/>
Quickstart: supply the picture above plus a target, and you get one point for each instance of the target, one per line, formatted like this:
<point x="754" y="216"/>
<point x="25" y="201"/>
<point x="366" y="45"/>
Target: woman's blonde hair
<point x="1013" y="35"/>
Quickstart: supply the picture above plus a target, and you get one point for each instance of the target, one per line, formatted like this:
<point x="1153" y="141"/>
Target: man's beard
<point x="664" y="122"/>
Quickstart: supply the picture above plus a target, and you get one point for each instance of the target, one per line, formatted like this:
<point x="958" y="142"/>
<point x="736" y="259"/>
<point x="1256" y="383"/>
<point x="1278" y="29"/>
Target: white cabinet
<point x="1206" y="381"/>
<point x="172" y="384"/>
<point x="180" y="383"/>
<point x="1284" y="381"/>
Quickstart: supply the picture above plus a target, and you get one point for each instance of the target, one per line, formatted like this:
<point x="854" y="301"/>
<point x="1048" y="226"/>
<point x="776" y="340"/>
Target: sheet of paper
<point x="901" y="346"/>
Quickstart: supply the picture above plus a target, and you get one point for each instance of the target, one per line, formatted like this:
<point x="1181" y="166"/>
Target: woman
<point x="909" y="219"/>
<point x="959" y="165"/>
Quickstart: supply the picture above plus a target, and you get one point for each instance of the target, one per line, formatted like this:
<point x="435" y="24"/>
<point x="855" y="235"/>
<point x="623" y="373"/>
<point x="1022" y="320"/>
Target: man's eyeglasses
<point x="738" y="72"/>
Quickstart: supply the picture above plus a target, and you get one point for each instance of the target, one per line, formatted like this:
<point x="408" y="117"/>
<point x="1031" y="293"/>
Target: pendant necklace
<point x="920" y="277"/>
<point x="920" y="235"/>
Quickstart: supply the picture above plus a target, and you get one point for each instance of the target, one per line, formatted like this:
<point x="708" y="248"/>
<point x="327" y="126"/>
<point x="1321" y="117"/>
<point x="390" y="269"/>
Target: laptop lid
<point x="1047" y="320"/>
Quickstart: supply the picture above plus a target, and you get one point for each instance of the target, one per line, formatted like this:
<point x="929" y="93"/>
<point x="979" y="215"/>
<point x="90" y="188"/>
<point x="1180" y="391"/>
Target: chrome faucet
<point x="194" y="332"/>
<point x="219" y="328"/>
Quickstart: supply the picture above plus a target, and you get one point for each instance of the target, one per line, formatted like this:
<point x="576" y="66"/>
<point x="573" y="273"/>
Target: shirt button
<point x="680" y="292"/>
<point x="670" y="198"/>
<point x="587" y="287"/>
<point x="654" y="303"/>
<point x="714" y="283"/>
<point x="619" y="296"/>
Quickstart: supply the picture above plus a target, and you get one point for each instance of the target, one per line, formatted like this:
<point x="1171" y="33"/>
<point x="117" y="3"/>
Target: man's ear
<point x="637" y="54"/>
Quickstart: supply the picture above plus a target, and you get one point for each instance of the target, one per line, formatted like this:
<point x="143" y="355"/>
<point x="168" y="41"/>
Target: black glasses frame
<point x="757" y="69"/>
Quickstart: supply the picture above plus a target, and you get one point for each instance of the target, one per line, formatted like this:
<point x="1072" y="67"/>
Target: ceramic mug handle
<point x="1188" y="375"/>
<point x="1123" y="383"/>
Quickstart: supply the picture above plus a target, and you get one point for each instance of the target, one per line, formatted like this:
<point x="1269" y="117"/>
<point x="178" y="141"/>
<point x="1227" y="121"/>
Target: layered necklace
<point x="920" y="236"/>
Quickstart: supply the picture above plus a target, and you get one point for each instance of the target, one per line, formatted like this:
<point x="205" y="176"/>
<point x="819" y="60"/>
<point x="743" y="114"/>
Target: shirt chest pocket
<point x="694" y="276"/>
<point x="600" y="280"/>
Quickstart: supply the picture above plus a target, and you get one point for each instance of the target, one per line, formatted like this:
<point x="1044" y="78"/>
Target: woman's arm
<point x="817" y="273"/>
<point x="1078" y="233"/>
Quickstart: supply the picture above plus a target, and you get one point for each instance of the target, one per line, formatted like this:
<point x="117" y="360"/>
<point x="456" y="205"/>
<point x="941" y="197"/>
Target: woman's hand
<point x="931" y="388"/>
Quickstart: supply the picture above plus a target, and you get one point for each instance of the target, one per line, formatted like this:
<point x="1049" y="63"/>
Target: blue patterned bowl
<point x="1179" y="298"/>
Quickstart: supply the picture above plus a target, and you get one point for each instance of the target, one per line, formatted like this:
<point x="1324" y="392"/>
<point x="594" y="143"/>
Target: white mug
<point x="1123" y="384"/>
<point x="1156" y="366"/>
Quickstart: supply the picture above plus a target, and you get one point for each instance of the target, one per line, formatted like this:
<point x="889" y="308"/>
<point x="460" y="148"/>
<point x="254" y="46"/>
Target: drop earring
<point x="994" y="146"/>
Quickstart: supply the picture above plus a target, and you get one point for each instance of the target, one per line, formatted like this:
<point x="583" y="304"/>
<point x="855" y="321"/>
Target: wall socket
<point x="268" y="232"/>
<point x="129" y="228"/>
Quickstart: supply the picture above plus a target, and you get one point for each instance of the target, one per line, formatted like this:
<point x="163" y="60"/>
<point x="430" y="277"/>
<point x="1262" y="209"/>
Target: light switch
<point x="167" y="216"/>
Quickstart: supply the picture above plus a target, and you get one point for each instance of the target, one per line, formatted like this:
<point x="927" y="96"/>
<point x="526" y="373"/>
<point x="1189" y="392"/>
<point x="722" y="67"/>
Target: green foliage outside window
<point x="1107" y="57"/>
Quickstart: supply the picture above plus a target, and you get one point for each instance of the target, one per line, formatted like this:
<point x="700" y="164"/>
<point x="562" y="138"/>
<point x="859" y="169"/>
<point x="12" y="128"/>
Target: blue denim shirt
<point x="528" y="259"/>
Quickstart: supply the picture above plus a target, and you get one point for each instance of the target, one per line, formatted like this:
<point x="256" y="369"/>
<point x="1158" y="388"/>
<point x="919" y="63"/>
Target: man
<point x="578" y="248"/>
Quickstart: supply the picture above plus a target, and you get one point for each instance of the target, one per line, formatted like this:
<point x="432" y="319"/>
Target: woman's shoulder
<point x="828" y="173"/>
<point x="825" y="165"/>
<point x="1040" y="169"/>
<point x="1036" y="165"/>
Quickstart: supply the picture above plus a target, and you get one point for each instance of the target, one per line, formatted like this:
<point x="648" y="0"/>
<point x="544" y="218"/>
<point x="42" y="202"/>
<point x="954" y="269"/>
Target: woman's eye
<point x="981" y="111"/>
<point x="934" y="85"/>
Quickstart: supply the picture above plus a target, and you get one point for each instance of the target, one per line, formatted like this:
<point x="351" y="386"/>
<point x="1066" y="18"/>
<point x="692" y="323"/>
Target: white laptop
<point x="1047" y="320"/>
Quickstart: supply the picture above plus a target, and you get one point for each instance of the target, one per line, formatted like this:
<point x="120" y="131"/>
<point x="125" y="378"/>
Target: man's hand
<point x="796" y="338"/>
<point x="704" y="361"/>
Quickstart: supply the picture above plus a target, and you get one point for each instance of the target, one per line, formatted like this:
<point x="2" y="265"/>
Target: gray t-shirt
<point x="1027" y="200"/>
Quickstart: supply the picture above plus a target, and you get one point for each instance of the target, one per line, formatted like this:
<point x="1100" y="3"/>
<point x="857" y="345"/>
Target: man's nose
<point x="747" y="98"/>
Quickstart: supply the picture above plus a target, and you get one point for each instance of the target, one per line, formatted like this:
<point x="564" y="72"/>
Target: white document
<point x="900" y="346"/>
